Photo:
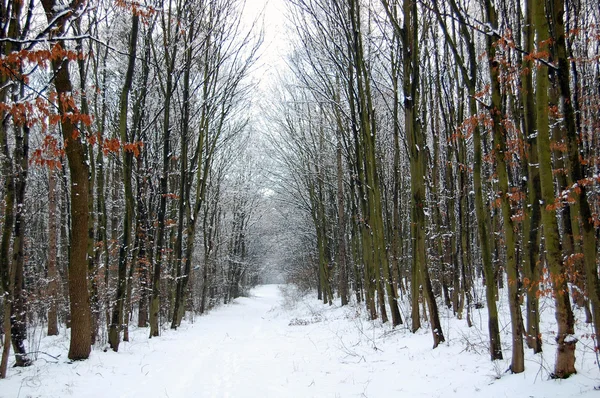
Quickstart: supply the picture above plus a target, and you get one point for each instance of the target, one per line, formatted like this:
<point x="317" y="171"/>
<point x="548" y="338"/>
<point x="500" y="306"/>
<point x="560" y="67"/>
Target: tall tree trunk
<point x="65" y="239"/>
<point x="142" y="236"/>
<point x="569" y="218"/>
<point x="435" y="184"/>
<point x="76" y="154"/>
<point x="184" y="189"/>
<point x="581" y="206"/>
<point x="84" y="128"/>
<point x="418" y="161"/>
<point x="377" y="250"/>
<point x="364" y="243"/>
<point x="565" y="352"/>
<point x="7" y="224"/>
<point x="15" y="171"/>
<point x="53" y="277"/>
<point x="531" y="224"/>
<point x="114" y="335"/>
<point x="143" y="229"/>
<point x="102" y="253"/>
<point x="170" y="54"/>
<point x="497" y="114"/>
<point x="210" y="222"/>
<point x="341" y="225"/>
<point x="396" y="244"/>
<point x="18" y="311"/>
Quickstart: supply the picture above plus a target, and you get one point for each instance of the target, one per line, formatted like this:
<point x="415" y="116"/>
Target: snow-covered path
<point x="237" y="351"/>
<point x="245" y="349"/>
<point x="260" y="347"/>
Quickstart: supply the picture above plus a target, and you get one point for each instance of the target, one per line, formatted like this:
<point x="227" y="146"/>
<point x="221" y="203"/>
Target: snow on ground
<point x="267" y="346"/>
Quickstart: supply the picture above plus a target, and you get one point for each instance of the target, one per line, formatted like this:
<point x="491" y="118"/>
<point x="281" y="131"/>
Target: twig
<point x="45" y="353"/>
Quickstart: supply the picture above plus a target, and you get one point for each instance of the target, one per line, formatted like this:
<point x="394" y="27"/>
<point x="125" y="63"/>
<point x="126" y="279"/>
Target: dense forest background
<point x="409" y="155"/>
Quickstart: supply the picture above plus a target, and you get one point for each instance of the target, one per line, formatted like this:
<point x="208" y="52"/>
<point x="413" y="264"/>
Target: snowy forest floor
<point x="278" y="343"/>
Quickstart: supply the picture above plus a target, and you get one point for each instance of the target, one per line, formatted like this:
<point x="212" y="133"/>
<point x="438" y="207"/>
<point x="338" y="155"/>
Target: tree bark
<point x="499" y="151"/>
<point x="76" y="154"/>
<point x="565" y="352"/>
<point x="341" y="209"/>
<point x="7" y="226"/>
<point x="116" y="325"/>
<point x="170" y="54"/>
<point x="18" y="311"/>
<point x="53" y="276"/>
<point x="531" y="224"/>
<point x="581" y="206"/>
<point x="15" y="170"/>
<point x="418" y="166"/>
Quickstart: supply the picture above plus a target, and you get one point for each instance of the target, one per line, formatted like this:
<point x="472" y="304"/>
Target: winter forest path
<point x="262" y="346"/>
<point x="245" y="349"/>
<point x="235" y="351"/>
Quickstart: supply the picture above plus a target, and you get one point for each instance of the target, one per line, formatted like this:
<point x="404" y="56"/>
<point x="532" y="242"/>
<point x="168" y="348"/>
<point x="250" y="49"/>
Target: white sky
<point x="275" y="44"/>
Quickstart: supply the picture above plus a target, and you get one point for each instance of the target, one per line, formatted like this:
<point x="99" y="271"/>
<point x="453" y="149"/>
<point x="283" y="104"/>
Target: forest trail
<point x="236" y="351"/>
<point x="216" y="356"/>
<point x="265" y="346"/>
<point x="248" y="348"/>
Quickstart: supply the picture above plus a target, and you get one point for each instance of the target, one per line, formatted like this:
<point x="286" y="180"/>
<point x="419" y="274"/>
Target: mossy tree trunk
<point x="377" y="251"/>
<point x="581" y="206"/>
<point x="500" y="156"/>
<point x="418" y="166"/>
<point x="531" y="223"/>
<point x="565" y="356"/>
